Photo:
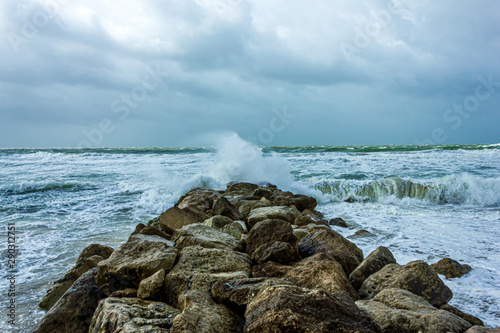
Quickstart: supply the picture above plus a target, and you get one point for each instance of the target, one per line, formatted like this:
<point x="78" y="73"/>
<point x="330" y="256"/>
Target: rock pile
<point x="248" y="259"/>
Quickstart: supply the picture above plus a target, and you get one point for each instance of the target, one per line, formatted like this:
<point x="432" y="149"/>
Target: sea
<point x="422" y="202"/>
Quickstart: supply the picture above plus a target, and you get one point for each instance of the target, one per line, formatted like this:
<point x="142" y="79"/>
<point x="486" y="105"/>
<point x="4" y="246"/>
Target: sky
<point x="159" y="73"/>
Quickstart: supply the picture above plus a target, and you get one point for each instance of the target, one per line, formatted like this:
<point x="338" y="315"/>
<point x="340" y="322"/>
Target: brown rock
<point x="268" y="231"/>
<point x="263" y="192"/>
<point x="300" y="233"/>
<point x="302" y="202"/>
<point x="200" y="196"/>
<point x="372" y="264"/>
<point x="470" y="318"/>
<point x="94" y="250"/>
<point x="208" y="237"/>
<point x="450" y="268"/>
<point x="283" y="307"/>
<point x="281" y="252"/>
<point x="331" y="242"/>
<point x="237" y="292"/>
<point x="482" y="329"/>
<point x="217" y="221"/>
<point x="396" y="310"/>
<point x="361" y="234"/>
<point x="151" y="288"/>
<point x="73" y="312"/>
<point x="150" y="230"/>
<point x="339" y="222"/>
<point x="129" y="292"/>
<point x="175" y="218"/>
<point x="235" y="229"/>
<point x="269" y="213"/>
<point x="246" y="206"/>
<point x="233" y="187"/>
<point x="416" y="277"/>
<point x="222" y="206"/>
<point x="270" y="269"/>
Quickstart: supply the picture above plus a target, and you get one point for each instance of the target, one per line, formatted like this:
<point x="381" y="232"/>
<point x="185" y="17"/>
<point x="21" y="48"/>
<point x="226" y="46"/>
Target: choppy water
<point x="422" y="202"/>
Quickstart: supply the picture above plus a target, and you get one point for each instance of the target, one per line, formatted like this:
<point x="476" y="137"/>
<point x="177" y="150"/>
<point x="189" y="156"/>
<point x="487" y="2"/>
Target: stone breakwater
<point x="249" y="259"/>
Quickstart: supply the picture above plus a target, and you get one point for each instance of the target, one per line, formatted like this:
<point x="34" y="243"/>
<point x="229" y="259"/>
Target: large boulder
<point x="150" y="230"/>
<point x="482" y="329"/>
<point x="283" y="307"/>
<point x="88" y="259"/>
<point x="73" y="312"/>
<point x="277" y="251"/>
<point x="331" y="242"/>
<point x="198" y="268"/>
<point x="246" y="206"/>
<point x="467" y="317"/>
<point x="140" y="257"/>
<point x="268" y="213"/>
<point x="302" y="202"/>
<point x="199" y="198"/>
<point x="235" y="229"/>
<point x="237" y="293"/>
<point x="175" y="218"/>
<point x="151" y="288"/>
<point x="132" y="315"/>
<point x="450" y="268"/>
<point x="208" y="237"/>
<point x="416" y="277"/>
<point x="397" y="310"/>
<point x="268" y="231"/>
<point x="375" y="261"/>
<point x="217" y="221"/>
<point x="223" y="207"/>
<point x="200" y="314"/>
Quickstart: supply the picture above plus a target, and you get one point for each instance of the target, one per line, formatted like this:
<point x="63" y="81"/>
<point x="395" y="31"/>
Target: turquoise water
<point x="423" y="202"/>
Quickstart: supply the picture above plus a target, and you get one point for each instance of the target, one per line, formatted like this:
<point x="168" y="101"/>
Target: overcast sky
<point x="295" y="72"/>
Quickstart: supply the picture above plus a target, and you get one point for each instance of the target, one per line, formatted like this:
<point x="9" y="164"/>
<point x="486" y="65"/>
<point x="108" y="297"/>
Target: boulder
<point x="200" y="314"/>
<point x="396" y="310"/>
<point x="470" y="318"/>
<point x="331" y="242"/>
<point x="217" y="221"/>
<point x="267" y="213"/>
<point x="302" y="202"/>
<point x="132" y="315"/>
<point x="416" y="277"/>
<point x="151" y="288"/>
<point x="235" y="229"/>
<point x="150" y="230"/>
<point x="450" y="268"/>
<point x="268" y="231"/>
<point x="482" y="329"/>
<point x="128" y="292"/>
<point x="375" y="261"/>
<point x="222" y="206"/>
<point x="237" y="293"/>
<point x="270" y="269"/>
<point x="198" y="268"/>
<point x="281" y="252"/>
<point x="300" y="233"/>
<point x="208" y="237"/>
<point x="246" y="206"/>
<point x="263" y="192"/>
<point x="140" y="257"/>
<point x="339" y="222"/>
<point x="283" y="307"/>
<point x="235" y="187"/>
<point x="94" y="250"/>
<point x="73" y="311"/>
<point x="175" y="218"/>
<point x="200" y="198"/>
<point x="361" y="234"/>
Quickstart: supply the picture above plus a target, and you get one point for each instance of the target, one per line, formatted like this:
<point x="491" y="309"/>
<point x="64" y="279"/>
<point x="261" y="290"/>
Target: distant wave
<point x="454" y="189"/>
<point x="34" y="187"/>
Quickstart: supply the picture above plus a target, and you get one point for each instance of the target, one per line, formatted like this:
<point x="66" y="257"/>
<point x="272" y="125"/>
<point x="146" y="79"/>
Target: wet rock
<point x="339" y="222"/>
<point x="151" y="288"/>
<point x="270" y="269"/>
<point x="482" y="329"/>
<point x="201" y="314"/>
<point x="233" y="187"/>
<point x="129" y="292"/>
<point x="416" y="277"/>
<point x="396" y="310"/>
<point x="150" y="230"/>
<point x="201" y="235"/>
<point x="199" y="198"/>
<point x="268" y="231"/>
<point x="94" y="250"/>
<point x="371" y="264"/>
<point x="302" y="202"/>
<point x="132" y="315"/>
<point x="198" y="268"/>
<point x="246" y="206"/>
<point x="140" y="257"/>
<point x="268" y="213"/>
<point x="263" y="192"/>
<point x="175" y="218"/>
<point x="217" y="221"/>
<point x="222" y="206"/>
<point x="281" y="252"/>
<point x="450" y="268"/>
<point x="300" y="233"/>
<point x="237" y="292"/>
<point x="361" y="234"/>
<point x="331" y="242"/>
<point x="284" y="307"/>
<point x="73" y="311"/>
<point x="235" y="229"/>
<point x="467" y="317"/>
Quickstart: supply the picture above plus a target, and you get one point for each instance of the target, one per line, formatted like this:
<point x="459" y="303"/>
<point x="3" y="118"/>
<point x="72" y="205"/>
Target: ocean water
<point x="422" y="202"/>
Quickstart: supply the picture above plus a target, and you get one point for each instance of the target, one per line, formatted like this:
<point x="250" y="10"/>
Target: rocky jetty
<point x="251" y="258"/>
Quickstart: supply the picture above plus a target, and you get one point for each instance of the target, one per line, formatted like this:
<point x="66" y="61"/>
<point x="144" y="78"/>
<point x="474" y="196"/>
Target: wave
<point x="34" y="187"/>
<point x="453" y="189"/>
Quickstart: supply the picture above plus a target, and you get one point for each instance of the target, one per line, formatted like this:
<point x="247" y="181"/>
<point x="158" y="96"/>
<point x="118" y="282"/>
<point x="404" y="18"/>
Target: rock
<point x="129" y="292"/>
<point x="372" y="264"/>
<point x="263" y="192"/>
<point x="303" y="220"/>
<point x="140" y="257"/>
<point x="217" y="221"/>
<point x="302" y="202"/>
<point x="199" y="198"/>
<point x="175" y="218"/>
<point x="235" y="229"/>
<point x="132" y="315"/>
<point x="198" y="268"/>
<point x="151" y="288"/>
<point x="222" y="206"/>
<point x="200" y="314"/>
<point x="281" y="252"/>
<point x="246" y="206"/>
<point x="94" y="250"/>
<point x="267" y="213"/>
<point x="237" y="293"/>
<point x="283" y="307"/>
<point x="329" y="241"/>
<point x="150" y="230"/>
<point x="467" y="317"/>
<point x="270" y="269"/>
<point x="84" y="264"/>
<point x="268" y="231"/>
<point x="396" y="310"/>
<point x="450" y="268"/>
<point x="73" y="312"/>
<point x="482" y="329"/>
<point x="361" y="234"/>
<point x="208" y="237"/>
<point x="234" y="187"/>
<point x="416" y="277"/>
<point x="339" y="222"/>
<point x="300" y="233"/>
